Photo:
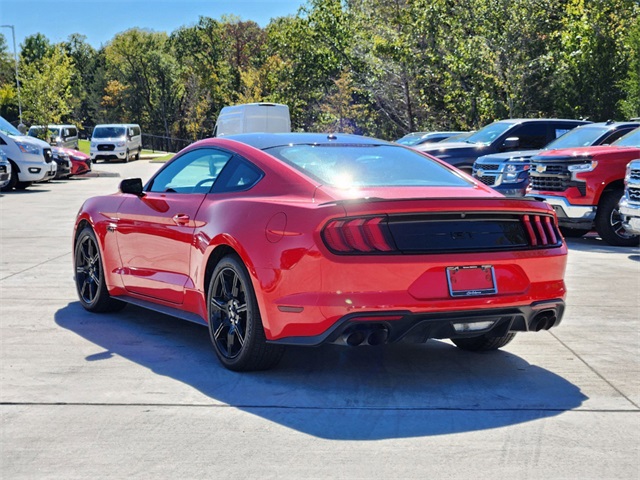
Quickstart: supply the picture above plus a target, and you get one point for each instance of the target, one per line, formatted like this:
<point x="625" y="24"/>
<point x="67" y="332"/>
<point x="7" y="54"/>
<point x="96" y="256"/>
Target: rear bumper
<point x="390" y="327"/>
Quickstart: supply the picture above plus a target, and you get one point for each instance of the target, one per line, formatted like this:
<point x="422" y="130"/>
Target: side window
<point x="193" y="172"/>
<point x="532" y="136"/>
<point x="136" y="131"/>
<point x="559" y="131"/>
<point x="613" y="136"/>
<point x="73" y="132"/>
<point x="237" y="176"/>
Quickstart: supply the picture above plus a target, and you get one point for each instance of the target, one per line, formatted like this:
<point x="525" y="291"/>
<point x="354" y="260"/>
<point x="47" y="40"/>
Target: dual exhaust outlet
<point x="543" y="320"/>
<point x="373" y="335"/>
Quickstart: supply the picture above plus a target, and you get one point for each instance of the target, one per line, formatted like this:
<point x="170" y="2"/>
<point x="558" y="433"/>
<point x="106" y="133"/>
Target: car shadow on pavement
<point x="363" y="393"/>
<point x="595" y="244"/>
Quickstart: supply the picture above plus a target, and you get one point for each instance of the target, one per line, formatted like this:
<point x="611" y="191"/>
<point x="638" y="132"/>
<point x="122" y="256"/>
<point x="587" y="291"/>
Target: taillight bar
<point x="541" y="229"/>
<point x="360" y="234"/>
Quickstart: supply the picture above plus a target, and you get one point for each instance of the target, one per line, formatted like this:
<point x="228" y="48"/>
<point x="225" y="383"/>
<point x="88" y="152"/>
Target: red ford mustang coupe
<point x="305" y="239"/>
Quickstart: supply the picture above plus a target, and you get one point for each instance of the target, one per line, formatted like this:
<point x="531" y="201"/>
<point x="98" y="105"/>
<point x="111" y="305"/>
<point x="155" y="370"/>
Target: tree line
<point x="373" y="67"/>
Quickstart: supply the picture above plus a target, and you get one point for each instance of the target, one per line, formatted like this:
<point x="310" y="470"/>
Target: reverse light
<point x="473" y="326"/>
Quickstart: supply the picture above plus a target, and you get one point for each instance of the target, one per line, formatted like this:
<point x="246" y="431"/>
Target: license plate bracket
<point x="471" y="280"/>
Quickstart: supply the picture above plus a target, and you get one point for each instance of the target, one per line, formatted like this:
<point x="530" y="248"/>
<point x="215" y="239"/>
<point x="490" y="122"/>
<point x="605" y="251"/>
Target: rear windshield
<point x="631" y="139"/>
<point x="367" y="166"/>
<point x="109" y="132"/>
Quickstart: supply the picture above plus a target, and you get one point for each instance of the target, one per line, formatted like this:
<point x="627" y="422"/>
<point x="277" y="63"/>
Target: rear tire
<point x="609" y="222"/>
<point x="235" y="325"/>
<point x="483" y="343"/>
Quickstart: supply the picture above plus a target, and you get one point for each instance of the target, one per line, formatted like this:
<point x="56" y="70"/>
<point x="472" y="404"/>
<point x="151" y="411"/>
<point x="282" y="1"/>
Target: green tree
<point x="629" y="105"/>
<point x="35" y="48"/>
<point x="593" y="59"/>
<point x="85" y="61"/>
<point x="8" y="91"/>
<point x="143" y="63"/>
<point x="46" y="88"/>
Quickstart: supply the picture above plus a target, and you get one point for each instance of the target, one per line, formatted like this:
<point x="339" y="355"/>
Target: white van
<point x="116" y="141"/>
<point x="31" y="159"/>
<point x="253" y="117"/>
<point x="57" y="135"/>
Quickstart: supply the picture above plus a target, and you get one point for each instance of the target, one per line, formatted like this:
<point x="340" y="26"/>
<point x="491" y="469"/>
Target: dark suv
<point x="502" y="136"/>
<point x="508" y="173"/>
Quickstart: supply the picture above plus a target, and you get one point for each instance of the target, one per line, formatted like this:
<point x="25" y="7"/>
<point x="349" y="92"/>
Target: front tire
<point x="126" y="156"/>
<point x="483" y="343"/>
<point x="90" y="281"/>
<point x="235" y="325"/>
<point x="609" y="221"/>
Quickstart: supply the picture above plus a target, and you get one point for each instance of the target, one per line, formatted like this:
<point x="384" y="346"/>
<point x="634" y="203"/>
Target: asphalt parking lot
<point x="141" y="395"/>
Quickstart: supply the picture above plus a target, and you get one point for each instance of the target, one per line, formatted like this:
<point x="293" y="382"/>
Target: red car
<point x="80" y="162"/>
<point x="305" y="239"/>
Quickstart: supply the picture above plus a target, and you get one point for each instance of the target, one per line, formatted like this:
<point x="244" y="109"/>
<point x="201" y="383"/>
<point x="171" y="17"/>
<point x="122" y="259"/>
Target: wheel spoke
<point x="223" y="284"/>
<point x="234" y="287"/>
<point x="217" y="304"/>
<point x="218" y="331"/>
<point x="95" y="279"/>
<point x="239" y="336"/>
<point x="242" y="308"/>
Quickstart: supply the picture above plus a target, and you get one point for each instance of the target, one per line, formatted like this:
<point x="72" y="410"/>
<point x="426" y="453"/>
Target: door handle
<point x="181" y="219"/>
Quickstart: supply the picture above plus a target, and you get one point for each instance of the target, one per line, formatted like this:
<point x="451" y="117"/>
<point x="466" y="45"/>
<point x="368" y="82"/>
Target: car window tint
<point x="193" y="172"/>
<point x="532" y="136"/>
<point x="238" y="175"/>
<point x="631" y="139"/>
<point x="616" y="135"/>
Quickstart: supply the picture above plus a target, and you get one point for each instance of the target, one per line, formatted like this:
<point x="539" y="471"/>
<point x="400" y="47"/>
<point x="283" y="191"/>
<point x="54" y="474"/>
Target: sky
<point x="100" y="20"/>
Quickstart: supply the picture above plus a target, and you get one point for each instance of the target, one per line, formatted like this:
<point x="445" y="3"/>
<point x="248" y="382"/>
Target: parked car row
<point x="577" y="167"/>
<point x="27" y="159"/>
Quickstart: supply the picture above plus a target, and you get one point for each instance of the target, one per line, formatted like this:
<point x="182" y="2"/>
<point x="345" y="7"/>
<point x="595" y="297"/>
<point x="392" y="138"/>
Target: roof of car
<point x="263" y="141"/>
<point x="535" y="120"/>
<point x="611" y="125"/>
<point x="117" y="125"/>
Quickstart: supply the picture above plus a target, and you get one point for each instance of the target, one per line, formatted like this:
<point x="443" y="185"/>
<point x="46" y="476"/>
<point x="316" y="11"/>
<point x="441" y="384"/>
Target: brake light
<point x="541" y="230"/>
<point x="358" y="235"/>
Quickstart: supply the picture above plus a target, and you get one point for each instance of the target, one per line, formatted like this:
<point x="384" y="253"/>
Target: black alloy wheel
<point x="90" y="282"/>
<point x="235" y="325"/>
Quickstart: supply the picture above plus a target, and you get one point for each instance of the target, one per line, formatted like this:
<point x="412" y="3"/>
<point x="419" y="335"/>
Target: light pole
<point x="15" y="58"/>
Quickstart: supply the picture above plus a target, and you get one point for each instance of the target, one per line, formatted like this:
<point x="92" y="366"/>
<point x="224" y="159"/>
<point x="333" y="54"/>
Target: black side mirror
<point x="132" y="186"/>
<point x="511" y="142"/>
